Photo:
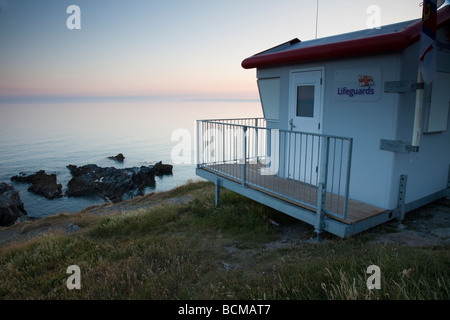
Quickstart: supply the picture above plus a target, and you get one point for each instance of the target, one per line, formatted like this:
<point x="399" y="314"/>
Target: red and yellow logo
<point x="365" y="81"/>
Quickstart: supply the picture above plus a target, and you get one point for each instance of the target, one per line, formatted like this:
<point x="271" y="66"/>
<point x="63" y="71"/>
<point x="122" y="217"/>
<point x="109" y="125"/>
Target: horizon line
<point x="220" y="100"/>
<point x="80" y="98"/>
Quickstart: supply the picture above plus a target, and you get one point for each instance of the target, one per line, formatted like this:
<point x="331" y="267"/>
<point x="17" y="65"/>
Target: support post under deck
<point x="447" y="192"/>
<point x="318" y="227"/>
<point x="401" y="206"/>
<point x="217" y="192"/>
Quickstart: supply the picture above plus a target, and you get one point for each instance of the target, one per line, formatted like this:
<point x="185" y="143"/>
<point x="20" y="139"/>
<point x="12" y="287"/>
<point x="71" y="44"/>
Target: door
<point x="305" y="117"/>
<point x="305" y="103"/>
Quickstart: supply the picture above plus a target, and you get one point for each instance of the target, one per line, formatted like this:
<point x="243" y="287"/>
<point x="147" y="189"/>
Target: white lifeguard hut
<point x="342" y="145"/>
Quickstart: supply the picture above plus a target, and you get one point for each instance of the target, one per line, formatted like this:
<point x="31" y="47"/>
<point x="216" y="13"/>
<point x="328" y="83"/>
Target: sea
<point x="50" y="134"/>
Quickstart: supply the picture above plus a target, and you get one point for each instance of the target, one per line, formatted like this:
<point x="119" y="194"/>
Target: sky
<point x="191" y="48"/>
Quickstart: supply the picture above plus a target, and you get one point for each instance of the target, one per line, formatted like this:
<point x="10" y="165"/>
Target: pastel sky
<point x="162" y="47"/>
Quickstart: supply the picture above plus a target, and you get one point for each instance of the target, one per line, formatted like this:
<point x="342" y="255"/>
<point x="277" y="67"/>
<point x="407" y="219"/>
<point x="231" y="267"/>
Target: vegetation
<point x="193" y="250"/>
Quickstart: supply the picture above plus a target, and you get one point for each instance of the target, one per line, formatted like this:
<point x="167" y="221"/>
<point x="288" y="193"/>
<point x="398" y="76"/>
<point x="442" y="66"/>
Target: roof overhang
<point x="372" y="45"/>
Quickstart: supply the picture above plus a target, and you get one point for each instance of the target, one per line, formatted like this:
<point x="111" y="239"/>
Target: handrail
<point x="218" y="121"/>
<point x="289" y="164"/>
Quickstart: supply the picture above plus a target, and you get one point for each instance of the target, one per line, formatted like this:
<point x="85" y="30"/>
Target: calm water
<point x="50" y="136"/>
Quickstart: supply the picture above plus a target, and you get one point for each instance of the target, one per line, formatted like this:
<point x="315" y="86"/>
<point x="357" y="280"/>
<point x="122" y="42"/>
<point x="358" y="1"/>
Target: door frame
<point x="291" y="95"/>
<point x="309" y="174"/>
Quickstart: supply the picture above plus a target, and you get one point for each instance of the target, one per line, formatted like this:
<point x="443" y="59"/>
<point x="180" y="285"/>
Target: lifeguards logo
<point x="365" y="87"/>
<point x="365" y="81"/>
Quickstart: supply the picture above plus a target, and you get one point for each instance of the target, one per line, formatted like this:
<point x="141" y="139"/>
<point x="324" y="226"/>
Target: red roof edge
<point x="385" y="43"/>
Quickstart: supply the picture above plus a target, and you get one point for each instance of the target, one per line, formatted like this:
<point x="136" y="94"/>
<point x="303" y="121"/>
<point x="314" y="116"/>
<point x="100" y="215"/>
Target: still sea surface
<point x="49" y="135"/>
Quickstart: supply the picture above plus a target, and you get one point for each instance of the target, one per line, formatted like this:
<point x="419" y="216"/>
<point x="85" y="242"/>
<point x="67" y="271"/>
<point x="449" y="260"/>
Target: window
<point x="269" y="92"/>
<point x="305" y="101"/>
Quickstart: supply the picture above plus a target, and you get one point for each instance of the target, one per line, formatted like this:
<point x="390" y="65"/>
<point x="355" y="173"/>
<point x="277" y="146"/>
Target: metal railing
<point x="292" y="165"/>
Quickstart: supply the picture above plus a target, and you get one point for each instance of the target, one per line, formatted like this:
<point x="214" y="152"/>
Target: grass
<point x="179" y="251"/>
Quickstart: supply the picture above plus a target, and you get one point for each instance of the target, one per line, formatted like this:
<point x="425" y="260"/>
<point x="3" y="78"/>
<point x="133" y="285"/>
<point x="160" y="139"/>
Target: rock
<point x="92" y="180"/>
<point x="84" y="181"/>
<point x="144" y="177"/>
<point x="11" y="207"/>
<point x="162" y="169"/>
<point x="41" y="183"/>
<point x="72" y="227"/>
<point x="118" y="157"/>
<point x="110" y="183"/>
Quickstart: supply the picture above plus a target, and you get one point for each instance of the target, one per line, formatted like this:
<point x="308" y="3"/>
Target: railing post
<point x="223" y="142"/>
<point x="347" y="179"/>
<point x="197" y="143"/>
<point x="322" y="188"/>
<point x="318" y="227"/>
<point x="256" y="140"/>
<point x="244" y="154"/>
<point x="325" y="159"/>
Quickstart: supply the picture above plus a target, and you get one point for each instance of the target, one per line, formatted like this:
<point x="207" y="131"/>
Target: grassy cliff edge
<point x="178" y="245"/>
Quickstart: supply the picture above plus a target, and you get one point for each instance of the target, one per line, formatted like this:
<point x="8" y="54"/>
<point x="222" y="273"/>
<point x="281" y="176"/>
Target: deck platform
<point x="296" y="193"/>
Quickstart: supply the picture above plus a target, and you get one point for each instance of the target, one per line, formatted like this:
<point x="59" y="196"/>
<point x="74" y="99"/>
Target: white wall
<point x="366" y="122"/>
<point x="376" y="173"/>
<point x="427" y="170"/>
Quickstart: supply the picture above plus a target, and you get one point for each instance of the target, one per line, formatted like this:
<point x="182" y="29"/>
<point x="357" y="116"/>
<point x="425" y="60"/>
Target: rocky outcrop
<point x="11" y="207"/>
<point x="162" y="169"/>
<point x="111" y="183"/>
<point x="41" y="183"/>
<point x="119" y="157"/>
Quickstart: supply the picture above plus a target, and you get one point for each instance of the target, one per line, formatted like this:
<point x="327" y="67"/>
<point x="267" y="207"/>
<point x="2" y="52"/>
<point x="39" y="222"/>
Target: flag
<point x="427" y="51"/>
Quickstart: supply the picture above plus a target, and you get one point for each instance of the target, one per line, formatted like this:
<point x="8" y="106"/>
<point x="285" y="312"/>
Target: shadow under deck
<point x="298" y="193"/>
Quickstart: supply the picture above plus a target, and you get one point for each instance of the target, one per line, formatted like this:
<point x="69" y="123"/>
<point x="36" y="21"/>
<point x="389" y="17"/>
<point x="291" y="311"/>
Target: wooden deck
<point x="294" y="191"/>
